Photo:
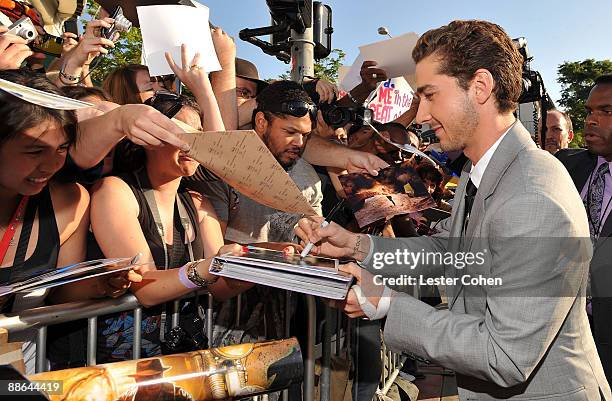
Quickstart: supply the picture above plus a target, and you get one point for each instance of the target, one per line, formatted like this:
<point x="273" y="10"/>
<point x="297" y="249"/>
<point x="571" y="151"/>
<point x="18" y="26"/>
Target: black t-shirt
<point x="116" y="331"/>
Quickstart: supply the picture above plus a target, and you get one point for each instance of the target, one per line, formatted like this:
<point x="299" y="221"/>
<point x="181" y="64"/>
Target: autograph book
<point x="310" y="275"/>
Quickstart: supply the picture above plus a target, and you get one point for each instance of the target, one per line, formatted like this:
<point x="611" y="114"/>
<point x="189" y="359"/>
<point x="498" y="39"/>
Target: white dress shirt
<point x="479" y="168"/>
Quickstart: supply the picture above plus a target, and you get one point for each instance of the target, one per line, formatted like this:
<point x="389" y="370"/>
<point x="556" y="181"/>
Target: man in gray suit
<point x="512" y="258"/>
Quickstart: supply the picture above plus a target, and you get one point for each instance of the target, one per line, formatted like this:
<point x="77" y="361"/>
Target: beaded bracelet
<point x="194" y="277"/>
<point x="68" y="77"/>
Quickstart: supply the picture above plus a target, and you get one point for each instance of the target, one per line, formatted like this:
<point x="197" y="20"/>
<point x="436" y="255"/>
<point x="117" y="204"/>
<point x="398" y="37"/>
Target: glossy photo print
<point x="217" y="374"/>
<point x="395" y="190"/>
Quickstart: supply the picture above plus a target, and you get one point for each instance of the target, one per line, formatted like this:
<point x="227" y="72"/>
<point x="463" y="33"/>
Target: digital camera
<point x="338" y="116"/>
<point x="24" y="28"/>
<point x="121" y="24"/>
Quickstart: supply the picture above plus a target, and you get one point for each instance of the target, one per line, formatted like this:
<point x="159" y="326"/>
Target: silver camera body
<point x="121" y="24"/>
<point x="24" y="28"/>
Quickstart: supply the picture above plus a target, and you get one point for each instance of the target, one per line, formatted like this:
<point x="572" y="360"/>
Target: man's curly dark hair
<point x="463" y="47"/>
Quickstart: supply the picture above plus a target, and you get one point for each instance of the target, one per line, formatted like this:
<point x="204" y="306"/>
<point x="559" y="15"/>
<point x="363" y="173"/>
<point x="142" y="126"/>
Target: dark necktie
<point x="595" y="196"/>
<point x="470" y="194"/>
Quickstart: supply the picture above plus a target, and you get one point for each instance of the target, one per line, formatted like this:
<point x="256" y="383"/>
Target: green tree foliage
<point x="327" y="68"/>
<point x="576" y="79"/>
<point x="126" y="51"/>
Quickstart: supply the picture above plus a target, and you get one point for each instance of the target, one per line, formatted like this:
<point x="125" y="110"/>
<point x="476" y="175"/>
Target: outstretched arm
<point x="141" y="124"/>
<point x="196" y="79"/>
<point x="224" y="81"/>
<point x="322" y="152"/>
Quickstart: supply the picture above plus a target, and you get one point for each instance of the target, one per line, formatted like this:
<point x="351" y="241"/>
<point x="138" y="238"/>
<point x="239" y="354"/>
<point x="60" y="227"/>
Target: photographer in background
<point x="90" y="45"/>
<point x="14" y="50"/>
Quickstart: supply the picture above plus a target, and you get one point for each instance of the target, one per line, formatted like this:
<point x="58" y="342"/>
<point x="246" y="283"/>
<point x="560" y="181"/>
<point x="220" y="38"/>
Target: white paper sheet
<point x="41" y="98"/>
<point x="352" y="78"/>
<point x="164" y="28"/>
<point x="393" y="55"/>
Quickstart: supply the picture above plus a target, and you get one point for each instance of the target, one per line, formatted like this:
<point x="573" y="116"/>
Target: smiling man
<point x="590" y="170"/>
<point x="528" y="337"/>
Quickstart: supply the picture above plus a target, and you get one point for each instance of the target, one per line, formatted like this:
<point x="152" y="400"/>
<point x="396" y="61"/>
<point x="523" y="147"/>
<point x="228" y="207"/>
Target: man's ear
<point x="483" y="85"/>
<point x="570" y="136"/>
<point x="261" y="123"/>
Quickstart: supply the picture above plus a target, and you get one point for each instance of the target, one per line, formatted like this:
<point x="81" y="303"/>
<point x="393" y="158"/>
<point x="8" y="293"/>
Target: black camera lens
<point x="334" y="116"/>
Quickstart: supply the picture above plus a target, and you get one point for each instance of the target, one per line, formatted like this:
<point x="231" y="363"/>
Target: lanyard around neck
<point x="12" y="227"/>
<point x="184" y="217"/>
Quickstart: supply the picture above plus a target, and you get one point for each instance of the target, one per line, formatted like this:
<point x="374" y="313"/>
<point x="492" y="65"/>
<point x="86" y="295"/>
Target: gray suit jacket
<point x="529" y="337"/>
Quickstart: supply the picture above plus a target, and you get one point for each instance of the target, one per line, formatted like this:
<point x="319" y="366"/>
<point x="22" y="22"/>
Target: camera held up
<point x="24" y="28"/>
<point x="533" y="86"/>
<point x="338" y="116"/>
<point x="121" y="24"/>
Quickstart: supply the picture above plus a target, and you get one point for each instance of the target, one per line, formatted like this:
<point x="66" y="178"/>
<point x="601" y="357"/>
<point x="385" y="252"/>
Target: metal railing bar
<point x="137" y="344"/>
<point x="41" y="349"/>
<point x="92" y="340"/>
<point x="309" y="360"/>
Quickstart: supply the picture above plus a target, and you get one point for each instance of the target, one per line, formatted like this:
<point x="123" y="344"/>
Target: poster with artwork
<point x="222" y="373"/>
<point x="395" y="190"/>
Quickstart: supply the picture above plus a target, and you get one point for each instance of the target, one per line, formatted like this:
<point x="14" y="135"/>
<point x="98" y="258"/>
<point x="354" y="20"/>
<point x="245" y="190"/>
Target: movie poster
<point x="221" y="373"/>
<point x="395" y="190"/>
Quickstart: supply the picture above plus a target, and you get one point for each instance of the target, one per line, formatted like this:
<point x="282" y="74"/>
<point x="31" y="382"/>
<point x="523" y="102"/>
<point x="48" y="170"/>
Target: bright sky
<point x="556" y="31"/>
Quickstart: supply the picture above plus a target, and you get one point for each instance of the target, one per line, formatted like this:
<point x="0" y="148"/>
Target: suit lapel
<point x="580" y="166"/>
<point x="606" y="231"/>
<point x="456" y="227"/>
<point x="515" y="140"/>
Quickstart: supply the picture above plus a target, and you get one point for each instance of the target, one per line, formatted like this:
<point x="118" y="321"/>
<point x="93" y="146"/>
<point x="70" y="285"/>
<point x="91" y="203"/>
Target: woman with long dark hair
<point x="43" y="223"/>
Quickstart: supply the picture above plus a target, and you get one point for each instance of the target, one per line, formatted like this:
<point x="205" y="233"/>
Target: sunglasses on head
<point x="160" y="97"/>
<point x="296" y="108"/>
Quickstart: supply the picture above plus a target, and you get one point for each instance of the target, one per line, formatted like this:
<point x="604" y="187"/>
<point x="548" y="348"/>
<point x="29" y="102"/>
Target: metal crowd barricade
<point x="42" y="317"/>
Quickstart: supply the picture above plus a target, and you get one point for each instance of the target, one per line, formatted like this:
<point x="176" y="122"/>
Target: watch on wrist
<point x="194" y="276"/>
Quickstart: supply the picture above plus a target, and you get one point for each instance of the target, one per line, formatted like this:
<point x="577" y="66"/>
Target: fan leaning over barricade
<point x="44" y="222"/>
<point x="169" y="225"/>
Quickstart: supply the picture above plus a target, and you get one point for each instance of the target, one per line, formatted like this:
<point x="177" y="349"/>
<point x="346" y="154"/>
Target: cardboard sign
<point x="243" y="161"/>
<point x="393" y="98"/>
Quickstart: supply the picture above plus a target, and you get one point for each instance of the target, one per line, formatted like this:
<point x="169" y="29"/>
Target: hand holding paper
<point x="371" y="75"/>
<point x="166" y="27"/>
<point x="146" y="126"/>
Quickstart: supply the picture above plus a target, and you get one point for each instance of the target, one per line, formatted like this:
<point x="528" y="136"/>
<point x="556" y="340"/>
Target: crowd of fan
<point x="114" y="180"/>
<point x="86" y="178"/>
